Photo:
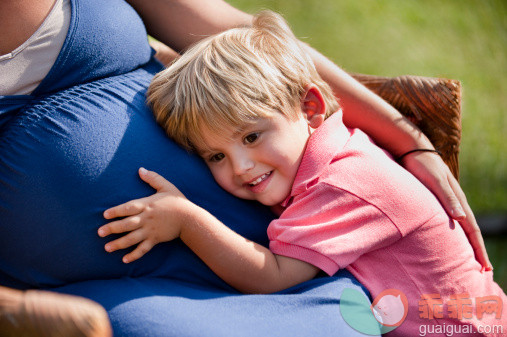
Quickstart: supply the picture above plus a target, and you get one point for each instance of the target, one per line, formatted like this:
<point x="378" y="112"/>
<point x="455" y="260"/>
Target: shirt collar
<point x="323" y="145"/>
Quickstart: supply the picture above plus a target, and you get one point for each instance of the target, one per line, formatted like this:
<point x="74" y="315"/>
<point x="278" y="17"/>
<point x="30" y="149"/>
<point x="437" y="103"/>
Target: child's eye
<point x="217" y="157"/>
<point x="250" y="138"/>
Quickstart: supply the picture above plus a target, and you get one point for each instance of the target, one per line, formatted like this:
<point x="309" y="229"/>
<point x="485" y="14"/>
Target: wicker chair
<point x="433" y="104"/>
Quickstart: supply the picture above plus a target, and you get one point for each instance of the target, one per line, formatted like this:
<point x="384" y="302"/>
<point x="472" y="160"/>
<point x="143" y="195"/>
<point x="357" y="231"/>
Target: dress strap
<point x="105" y="38"/>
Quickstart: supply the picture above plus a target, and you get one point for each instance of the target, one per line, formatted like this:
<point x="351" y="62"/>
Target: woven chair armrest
<point x="432" y="104"/>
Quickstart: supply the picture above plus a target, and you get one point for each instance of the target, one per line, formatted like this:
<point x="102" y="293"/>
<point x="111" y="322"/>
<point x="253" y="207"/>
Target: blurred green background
<point x="464" y="40"/>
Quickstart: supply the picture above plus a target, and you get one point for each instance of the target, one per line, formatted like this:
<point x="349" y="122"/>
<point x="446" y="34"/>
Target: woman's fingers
<point x="475" y="237"/>
<point x="454" y="201"/>
<point x="456" y="205"/>
<point x="471" y="228"/>
<point x="432" y="172"/>
<point x="447" y="195"/>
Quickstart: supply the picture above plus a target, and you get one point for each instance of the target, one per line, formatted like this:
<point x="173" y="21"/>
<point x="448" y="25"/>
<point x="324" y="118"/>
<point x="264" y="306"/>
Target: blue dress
<point x="72" y="149"/>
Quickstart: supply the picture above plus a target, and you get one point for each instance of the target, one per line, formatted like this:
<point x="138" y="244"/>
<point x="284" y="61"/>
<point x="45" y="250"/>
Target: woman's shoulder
<point x="104" y="39"/>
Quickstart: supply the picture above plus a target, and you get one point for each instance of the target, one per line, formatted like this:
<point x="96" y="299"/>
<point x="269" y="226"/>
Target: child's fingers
<point x="141" y="249"/>
<point x="126" y="241"/>
<point x="120" y="226"/>
<point x="154" y="179"/>
<point x="129" y="208"/>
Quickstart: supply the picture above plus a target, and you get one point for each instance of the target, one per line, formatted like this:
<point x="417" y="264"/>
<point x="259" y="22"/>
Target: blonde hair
<point x="233" y="78"/>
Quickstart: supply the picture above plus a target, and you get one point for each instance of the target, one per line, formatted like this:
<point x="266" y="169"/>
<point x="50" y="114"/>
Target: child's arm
<point x="166" y="215"/>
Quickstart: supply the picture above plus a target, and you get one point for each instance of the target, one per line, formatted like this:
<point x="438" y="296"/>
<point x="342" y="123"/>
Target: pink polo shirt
<point x="352" y="206"/>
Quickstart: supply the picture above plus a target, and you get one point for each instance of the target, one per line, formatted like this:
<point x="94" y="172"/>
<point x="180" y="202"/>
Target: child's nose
<point x="242" y="165"/>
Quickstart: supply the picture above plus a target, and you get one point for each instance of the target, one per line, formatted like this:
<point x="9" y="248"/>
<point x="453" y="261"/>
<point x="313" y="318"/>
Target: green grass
<point x="497" y="250"/>
<point x="464" y="40"/>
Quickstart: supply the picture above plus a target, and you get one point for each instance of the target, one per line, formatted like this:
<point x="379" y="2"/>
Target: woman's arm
<point x="365" y="110"/>
<point x="361" y="106"/>
<point x="179" y="23"/>
<point x="368" y="112"/>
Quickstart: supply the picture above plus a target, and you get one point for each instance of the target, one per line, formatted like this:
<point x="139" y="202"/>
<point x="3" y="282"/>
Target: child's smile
<point x="260" y="161"/>
<point x="258" y="185"/>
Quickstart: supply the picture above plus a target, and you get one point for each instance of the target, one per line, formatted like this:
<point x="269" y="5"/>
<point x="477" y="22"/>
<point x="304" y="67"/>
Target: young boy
<point x="251" y="104"/>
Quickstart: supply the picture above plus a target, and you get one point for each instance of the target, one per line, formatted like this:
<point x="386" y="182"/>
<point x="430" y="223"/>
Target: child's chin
<point x="271" y="201"/>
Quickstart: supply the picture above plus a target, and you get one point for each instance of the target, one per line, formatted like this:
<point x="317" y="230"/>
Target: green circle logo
<point x="386" y="313"/>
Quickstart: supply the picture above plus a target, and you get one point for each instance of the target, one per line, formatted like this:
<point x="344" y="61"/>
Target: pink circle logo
<point x="390" y="307"/>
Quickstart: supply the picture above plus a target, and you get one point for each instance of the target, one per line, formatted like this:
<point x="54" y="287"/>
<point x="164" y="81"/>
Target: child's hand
<point x="149" y="220"/>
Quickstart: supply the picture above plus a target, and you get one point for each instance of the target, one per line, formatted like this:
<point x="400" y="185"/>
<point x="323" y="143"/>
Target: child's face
<point x="261" y="161"/>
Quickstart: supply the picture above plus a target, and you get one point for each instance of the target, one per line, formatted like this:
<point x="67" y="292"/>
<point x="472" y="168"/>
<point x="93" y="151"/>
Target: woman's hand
<point x="431" y="170"/>
<point x="149" y="220"/>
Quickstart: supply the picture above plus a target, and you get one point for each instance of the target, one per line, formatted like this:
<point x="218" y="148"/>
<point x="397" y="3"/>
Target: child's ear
<point x="313" y="106"/>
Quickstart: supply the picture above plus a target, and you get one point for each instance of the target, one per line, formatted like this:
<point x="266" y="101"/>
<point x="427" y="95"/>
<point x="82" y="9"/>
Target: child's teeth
<point x="258" y="180"/>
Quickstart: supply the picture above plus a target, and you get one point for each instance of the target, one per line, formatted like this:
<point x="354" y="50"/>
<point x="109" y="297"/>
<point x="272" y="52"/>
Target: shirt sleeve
<point x="330" y="228"/>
